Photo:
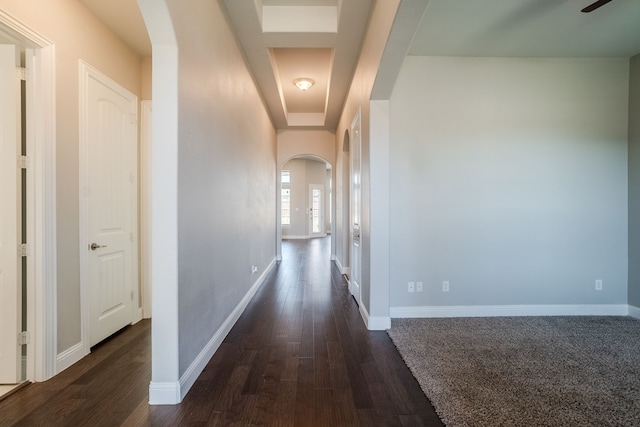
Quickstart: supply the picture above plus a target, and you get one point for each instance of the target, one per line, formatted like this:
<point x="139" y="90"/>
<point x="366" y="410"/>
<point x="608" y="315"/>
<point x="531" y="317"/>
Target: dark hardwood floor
<point x="300" y="355"/>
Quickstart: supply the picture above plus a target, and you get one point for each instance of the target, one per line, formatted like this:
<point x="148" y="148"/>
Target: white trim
<point x="374" y="323"/>
<point x="200" y="362"/>
<point x="355" y="150"/>
<point x="301" y="237"/>
<point x="87" y="72"/>
<point x="634" y="312"/>
<point x="41" y="209"/>
<point x="164" y="393"/>
<point x="343" y="270"/>
<point x="379" y="323"/>
<point x="26" y="34"/>
<point x="70" y="356"/>
<point x="510" y="310"/>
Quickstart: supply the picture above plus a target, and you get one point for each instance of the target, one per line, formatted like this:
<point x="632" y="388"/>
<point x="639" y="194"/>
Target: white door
<point x="110" y="175"/>
<point x="10" y="288"/>
<point x="316" y="210"/>
<point x="356" y="207"/>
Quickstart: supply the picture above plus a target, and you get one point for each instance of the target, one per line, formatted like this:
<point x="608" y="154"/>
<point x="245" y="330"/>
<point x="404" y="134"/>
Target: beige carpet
<point x="526" y="371"/>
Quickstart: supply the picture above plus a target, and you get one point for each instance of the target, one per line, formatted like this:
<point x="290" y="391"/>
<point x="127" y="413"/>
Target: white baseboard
<point x="164" y="393"/>
<point x="343" y="270"/>
<point x="634" y="312"/>
<point x="70" y="356"/>
<point x="511" y="310"/>
<point x="193" y="371"/>
<point x="374" y="323"/>
<point x="301" y="237"/>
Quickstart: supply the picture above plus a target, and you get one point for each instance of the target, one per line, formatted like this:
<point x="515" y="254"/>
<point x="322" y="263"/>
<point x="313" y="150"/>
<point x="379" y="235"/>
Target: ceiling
<point x="287" y="39"/>
<point x="529" y="28"/>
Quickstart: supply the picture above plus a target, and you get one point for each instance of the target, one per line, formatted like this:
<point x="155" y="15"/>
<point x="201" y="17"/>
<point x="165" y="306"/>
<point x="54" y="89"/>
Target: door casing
<point x="41" y="201"/>
<point x="355" y="194"/>
<point x="10" y="198"/>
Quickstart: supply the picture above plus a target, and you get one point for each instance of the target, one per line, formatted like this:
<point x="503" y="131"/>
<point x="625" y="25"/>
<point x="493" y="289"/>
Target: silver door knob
<point x="95" y="246"/>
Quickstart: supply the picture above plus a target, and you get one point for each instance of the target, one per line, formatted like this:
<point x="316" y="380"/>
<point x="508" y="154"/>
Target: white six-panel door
<point x="110" y="199"/>
<point x="10" y="287"/>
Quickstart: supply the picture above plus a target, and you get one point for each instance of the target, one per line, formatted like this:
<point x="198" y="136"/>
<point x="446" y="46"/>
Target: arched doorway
<point x="305" y="198"/>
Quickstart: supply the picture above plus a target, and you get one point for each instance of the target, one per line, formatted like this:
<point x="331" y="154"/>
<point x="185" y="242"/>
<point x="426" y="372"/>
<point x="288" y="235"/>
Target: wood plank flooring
<point x="300" y="355"/>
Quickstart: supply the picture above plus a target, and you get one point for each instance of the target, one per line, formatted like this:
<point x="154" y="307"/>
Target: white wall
<point x="509" y="179"/>
<point x="634" y="182"/>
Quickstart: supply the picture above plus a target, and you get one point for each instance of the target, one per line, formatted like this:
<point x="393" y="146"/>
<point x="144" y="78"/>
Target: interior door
<point x="10" y="289"/>
<point x="111" y="148"/>
<point x="356" y="207"/>
<point x="316" y="210"/>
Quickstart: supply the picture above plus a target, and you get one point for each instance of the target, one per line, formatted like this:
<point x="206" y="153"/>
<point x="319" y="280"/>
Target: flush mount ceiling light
<point x="304" y="83"/>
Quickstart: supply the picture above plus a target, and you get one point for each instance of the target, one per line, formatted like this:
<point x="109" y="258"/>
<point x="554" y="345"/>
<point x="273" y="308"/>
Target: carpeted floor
<point x="526" y="371"/>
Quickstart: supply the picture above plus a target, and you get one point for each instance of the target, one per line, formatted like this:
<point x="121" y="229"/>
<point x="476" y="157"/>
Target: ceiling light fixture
<point x="304" y="83"/>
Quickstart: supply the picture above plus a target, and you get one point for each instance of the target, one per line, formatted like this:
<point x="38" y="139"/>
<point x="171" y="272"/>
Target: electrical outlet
<point x="445" y="286"/>
<point x="254" y="269"/>
<point x="418" y="286"/>
<point x="598" y="285"/>
<point x="411" y="287"/>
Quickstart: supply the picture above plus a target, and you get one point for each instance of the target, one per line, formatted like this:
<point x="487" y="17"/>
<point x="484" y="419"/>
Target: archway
<point x="305" y="199"/>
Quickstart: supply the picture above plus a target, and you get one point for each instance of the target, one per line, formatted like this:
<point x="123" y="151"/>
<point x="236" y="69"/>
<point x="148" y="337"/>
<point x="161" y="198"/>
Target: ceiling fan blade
<point x="595" y="5"/>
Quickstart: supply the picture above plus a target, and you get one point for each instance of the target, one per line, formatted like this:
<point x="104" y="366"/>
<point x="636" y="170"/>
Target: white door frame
<point x="41" y="192"/>
<point x="10" y="217"/>
<point x="355" y="155"/>
<point x="86" y="72"/>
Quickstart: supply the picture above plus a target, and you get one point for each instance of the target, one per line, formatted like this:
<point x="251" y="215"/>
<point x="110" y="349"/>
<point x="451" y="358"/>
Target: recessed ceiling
<point x="327" y="49"/>
<point x="306" y="107"/>
<point x="284" y="40"/>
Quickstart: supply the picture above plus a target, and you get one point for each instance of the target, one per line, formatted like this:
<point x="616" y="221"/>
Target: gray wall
<point x="509" y="179"/>
<point x="358" y="101"/>
<point x="226" y="176"/>
<point x="634" y="182"/>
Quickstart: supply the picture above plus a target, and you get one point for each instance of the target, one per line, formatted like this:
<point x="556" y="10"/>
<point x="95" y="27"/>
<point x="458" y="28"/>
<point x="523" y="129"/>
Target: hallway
<point x="299" y="356"/>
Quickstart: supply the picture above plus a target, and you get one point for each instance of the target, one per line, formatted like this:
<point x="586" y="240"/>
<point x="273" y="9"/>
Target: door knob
<point x="95" y="246"/>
